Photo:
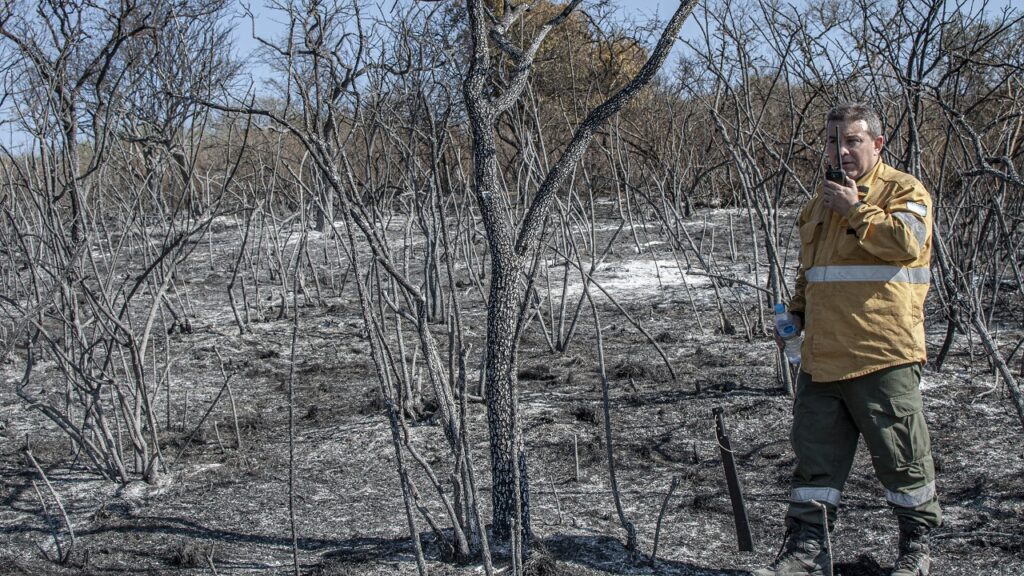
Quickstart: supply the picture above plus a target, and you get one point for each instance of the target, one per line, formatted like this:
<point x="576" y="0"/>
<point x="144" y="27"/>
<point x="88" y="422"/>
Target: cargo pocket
<point x="904" y="430"/>
<point x="809" y="232"/>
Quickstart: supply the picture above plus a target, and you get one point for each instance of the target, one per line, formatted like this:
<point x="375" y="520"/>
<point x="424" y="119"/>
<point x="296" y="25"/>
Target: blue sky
<point x="639" y="10"/>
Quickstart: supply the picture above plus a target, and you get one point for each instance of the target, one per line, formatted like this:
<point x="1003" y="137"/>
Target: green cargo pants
<point x="884" y="407"/>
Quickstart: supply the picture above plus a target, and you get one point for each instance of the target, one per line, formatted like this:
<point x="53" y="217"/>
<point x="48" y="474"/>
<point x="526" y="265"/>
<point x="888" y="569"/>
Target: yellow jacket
<point x="863" y="278"/>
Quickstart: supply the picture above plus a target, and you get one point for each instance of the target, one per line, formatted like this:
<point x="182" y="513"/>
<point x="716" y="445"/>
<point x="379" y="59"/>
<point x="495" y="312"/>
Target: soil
<point x="222" y="508"/>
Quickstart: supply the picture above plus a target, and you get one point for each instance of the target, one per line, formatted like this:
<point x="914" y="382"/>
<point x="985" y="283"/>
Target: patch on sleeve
<point x="919" y="209"/>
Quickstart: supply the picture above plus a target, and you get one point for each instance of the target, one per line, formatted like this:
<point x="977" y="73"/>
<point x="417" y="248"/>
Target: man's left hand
<point x="840" y="197"/>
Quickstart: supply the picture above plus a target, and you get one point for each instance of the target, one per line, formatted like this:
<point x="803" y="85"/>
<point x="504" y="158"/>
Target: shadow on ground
<point x="608" y="555"/>
<point x="558" y="555"/>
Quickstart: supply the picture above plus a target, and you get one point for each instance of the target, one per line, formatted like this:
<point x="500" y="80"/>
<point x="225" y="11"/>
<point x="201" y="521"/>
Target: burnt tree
<point x="511" y="243"/>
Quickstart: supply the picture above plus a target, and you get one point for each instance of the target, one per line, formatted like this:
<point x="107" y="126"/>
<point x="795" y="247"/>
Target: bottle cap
<point x="780" y="308"/>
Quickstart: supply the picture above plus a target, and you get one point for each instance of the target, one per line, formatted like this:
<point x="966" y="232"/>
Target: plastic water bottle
<point x="787" y="331"/>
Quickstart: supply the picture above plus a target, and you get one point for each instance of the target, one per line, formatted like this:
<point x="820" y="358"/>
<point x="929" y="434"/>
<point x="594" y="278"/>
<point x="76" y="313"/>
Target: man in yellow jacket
<point x="860" y="291"/>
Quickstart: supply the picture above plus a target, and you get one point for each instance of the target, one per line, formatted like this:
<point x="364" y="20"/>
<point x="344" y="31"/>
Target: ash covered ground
<point x="223" y="509"/>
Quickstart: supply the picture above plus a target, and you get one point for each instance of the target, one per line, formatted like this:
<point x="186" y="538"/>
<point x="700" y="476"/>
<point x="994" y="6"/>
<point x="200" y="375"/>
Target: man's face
<point x="860" y="152"/>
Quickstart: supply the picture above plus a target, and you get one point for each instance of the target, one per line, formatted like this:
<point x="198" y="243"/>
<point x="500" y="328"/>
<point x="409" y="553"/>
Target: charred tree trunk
<point x="511" y="248"/>
<point x="503" y="426"/>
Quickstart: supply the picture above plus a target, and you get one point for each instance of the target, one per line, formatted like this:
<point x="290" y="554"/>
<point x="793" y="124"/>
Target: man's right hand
<point x="799" y="328"/>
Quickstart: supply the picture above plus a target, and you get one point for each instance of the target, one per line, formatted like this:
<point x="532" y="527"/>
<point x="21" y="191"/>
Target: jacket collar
<point x="866" y="182"/>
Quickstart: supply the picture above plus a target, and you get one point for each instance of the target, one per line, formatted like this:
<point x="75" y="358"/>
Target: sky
<point x="639" y="10"/>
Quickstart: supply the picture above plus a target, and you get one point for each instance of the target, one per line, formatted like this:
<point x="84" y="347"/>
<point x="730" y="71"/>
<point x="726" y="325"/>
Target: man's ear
<point x="879" y="143"/>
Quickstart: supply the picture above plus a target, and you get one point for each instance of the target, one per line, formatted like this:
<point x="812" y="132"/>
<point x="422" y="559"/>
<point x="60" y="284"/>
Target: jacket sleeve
<point x="899" y="230"/>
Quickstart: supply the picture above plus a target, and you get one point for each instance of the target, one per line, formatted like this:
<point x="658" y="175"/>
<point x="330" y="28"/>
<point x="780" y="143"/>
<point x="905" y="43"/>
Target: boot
<point x="804" y="552"/>
<point x="913" y="559"/>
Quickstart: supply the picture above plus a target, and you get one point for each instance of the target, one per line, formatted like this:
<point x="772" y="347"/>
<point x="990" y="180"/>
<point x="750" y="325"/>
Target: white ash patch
<point x="632" y="280"/>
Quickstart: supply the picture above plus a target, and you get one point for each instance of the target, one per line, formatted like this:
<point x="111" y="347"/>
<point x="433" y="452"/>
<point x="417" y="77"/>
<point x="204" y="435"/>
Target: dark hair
<point x="853" y="111"/>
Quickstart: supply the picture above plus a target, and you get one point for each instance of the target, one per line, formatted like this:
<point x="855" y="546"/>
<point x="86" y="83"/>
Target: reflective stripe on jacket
<point x="863" y="278"/>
